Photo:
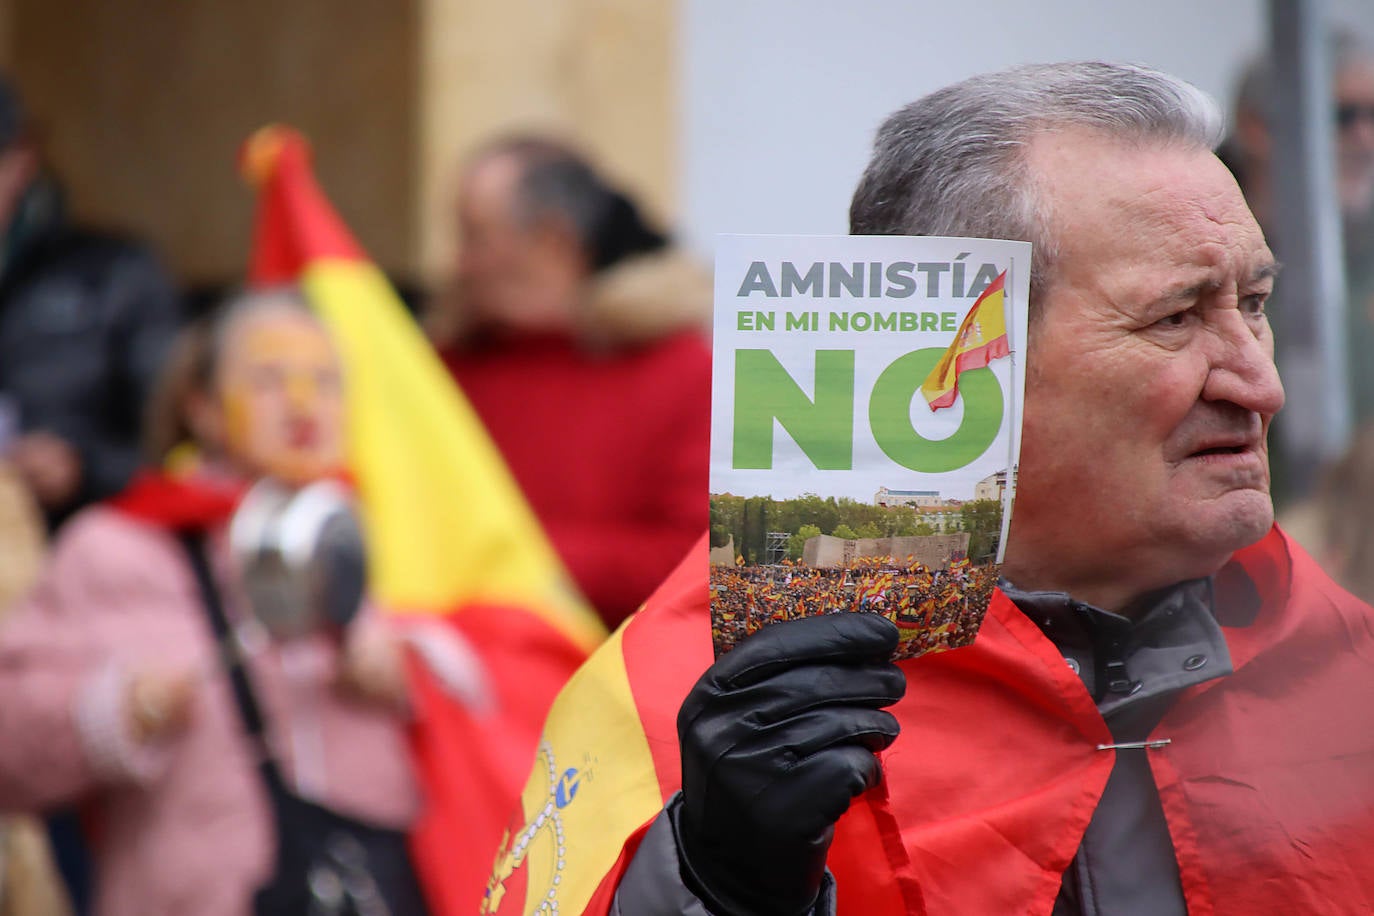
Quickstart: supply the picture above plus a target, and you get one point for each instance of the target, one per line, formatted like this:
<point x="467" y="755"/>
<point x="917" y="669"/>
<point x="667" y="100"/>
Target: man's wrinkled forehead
<point x="1080" y="173"/>
<point x="1141" y="223"/>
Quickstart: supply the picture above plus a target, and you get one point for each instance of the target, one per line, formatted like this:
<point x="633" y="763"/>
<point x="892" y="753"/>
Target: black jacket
<point x="85" y="322"/>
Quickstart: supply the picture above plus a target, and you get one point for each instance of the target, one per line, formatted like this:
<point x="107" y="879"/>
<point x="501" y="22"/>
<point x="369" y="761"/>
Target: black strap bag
<point x="327" y="864"/>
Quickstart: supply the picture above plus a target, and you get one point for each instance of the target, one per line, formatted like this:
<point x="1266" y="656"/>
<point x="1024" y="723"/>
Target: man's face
<point x="493" y="246"/>
<point x="1151" y="382"/>
<point x="510" y="274"/>
<point x="1355" y="138"/>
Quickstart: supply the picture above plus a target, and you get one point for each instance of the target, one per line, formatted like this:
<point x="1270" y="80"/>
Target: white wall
<point x="1356" y="13"/>
<point x="780" y="97"/>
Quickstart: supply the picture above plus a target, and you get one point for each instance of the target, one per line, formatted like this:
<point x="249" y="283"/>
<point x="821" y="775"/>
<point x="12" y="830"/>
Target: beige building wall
<point x="994" y="486"/>
<point x="6" y="18"/>
<point x="599" y="73"/>
<point x="724" y="555"/>
<point x="143" y="105"/>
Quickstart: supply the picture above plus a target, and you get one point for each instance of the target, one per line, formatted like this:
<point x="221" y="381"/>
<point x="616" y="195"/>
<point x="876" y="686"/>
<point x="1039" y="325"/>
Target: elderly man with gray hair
<point x="1166" y="710"/>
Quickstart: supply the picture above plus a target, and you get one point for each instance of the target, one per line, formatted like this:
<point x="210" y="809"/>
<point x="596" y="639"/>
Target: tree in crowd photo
<point x="749" y="520"/>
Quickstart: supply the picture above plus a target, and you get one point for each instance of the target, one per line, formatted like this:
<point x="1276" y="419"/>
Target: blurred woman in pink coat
<point x="112" y="692"/>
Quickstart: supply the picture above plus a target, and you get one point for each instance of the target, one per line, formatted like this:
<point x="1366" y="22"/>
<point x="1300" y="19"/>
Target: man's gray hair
<point x="952" y="163"/>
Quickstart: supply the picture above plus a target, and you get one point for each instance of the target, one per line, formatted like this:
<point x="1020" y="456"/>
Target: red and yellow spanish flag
<point x="609" y="760"/>
<point x="449" y="535"/>
<point x="982" y="337"/>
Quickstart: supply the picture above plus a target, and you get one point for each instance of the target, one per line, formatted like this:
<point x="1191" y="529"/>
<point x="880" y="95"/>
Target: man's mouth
<point x="1229" y="455"/>
<point x="1220" y="450"/>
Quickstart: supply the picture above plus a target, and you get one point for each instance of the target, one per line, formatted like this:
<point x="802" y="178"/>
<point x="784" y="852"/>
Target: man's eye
<point x="1176" y="320"/>
<point x="1253" y="305"/>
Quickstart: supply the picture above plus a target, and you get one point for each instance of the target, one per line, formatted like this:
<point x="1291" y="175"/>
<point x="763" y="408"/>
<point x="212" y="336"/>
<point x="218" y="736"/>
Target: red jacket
<point x="1267" y="786"/>
<point x="610" y="449"/>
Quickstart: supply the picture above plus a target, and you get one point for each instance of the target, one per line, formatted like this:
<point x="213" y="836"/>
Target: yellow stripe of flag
<point x="446" y="524"/>
<point x="592" y="785"/>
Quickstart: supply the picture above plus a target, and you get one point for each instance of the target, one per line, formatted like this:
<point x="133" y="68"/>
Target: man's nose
<point x="1243" y="370"/>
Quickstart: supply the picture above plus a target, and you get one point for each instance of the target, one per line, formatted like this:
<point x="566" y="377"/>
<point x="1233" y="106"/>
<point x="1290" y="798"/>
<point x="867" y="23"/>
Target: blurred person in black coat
<point x="85" y="320"/>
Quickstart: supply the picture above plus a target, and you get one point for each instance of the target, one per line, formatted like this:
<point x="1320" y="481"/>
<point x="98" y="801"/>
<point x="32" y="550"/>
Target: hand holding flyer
<point x="865" y="430"/>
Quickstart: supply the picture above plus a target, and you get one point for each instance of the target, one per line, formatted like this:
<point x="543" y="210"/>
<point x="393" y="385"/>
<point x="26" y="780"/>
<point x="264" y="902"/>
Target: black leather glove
<point x="777" y="739"/>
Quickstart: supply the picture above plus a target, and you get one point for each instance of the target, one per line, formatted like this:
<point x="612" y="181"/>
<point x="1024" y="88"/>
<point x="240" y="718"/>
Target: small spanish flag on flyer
<point x="982" y="338"/>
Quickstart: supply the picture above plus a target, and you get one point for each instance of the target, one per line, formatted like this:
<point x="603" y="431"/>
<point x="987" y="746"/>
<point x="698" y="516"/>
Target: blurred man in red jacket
<point x="576" y="334"/>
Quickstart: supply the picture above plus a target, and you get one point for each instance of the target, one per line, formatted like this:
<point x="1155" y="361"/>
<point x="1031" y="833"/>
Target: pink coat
<point x="183" y="827"/>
